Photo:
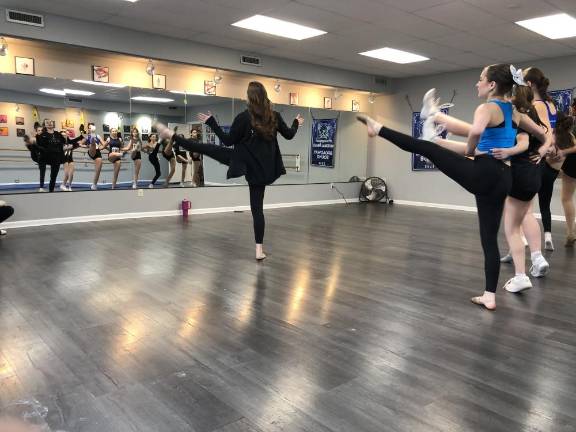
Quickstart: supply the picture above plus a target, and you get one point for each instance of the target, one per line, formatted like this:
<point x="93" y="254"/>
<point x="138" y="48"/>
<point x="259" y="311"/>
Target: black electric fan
<point x="374" y="189"/>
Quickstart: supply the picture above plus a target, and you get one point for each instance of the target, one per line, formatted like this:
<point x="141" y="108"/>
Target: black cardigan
<point x="253" y="156"/>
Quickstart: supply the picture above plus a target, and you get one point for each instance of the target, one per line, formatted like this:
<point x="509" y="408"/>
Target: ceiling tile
<point x="515" y="10"/>
<point x="460" y="15"/>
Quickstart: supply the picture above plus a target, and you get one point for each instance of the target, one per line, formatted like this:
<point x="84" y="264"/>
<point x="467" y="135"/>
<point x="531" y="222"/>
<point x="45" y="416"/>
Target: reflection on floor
<point x="32" y="188"/>
<point x="359" y="320"/>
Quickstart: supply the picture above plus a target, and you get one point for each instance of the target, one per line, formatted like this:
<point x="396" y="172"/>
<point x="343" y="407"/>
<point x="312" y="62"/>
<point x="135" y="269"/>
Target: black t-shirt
<point x="533" y="145"/>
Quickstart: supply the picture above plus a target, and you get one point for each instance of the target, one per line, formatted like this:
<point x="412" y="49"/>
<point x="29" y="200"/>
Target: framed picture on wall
<point x="327" y="103"/>
<point x="3" y="131"/>
<point x="159" y="81"/>
<point x="144" y="137"/>
<point x="105" y="128"/>
<point x="154" y="130"/>
<point x="20" y="132"/>
<point x="127" y="129"/>
<point x="100" y="74"/>
<point x="3" y="118"/>
<point x="24" y="65"/>
<point x="293" y="98"/>
<point x="210" y="88"/>
<point x="20" y="121"/>
<point x="355" y="105"/>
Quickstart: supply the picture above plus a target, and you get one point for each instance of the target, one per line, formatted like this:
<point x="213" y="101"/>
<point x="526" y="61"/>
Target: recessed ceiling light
<point x="151" y="99"/>
<point x="394" y="55"/>
<point x="53" y="91"/>
<point x="557" y="26"/>
<point x="99" y="84"/>
<point x="264" y="24"/>
<point x="78" y="92"/>
<point x="131" y="1"/>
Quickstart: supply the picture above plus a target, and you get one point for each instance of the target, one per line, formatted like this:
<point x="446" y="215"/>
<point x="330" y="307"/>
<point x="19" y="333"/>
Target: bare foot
<point x="488" y="300"/>
<point x="372" y="125"/>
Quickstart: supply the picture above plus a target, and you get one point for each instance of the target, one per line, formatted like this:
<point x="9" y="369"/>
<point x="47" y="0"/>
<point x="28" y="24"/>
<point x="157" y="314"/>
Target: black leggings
<point x="549" y="176"/>
<point x="224" y="155"/>
<point x="485" y="177"/>
<point x="5" y="213"/>
<point x="54" y="169"/>
<point x="153" y="158"/>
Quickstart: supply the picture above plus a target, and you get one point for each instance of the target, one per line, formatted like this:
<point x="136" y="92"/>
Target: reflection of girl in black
<point x="134" y="147"/>
<point x="152" y="147"/>
<point x="169" y="155"/>
<point x="94" y="144"/>
<point x="255" y="155"/>
<point x="70" y="145"/>
<point x="32" y="146"/>
<point x="51" y="146"/>
<point x="183" y="159"/>
<point x="114" y="146"/>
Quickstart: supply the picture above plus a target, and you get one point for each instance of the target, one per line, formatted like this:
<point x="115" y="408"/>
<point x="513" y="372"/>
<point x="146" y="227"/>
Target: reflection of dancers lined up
<point x="51" y="152"/>
<point x="494" y="126"/>
<point x="256" y="154"/>
<point x="70" y="145"/>
<point x="32" y="146"/>
<point x="94" y="143"/>
<point x="114" y="145"/>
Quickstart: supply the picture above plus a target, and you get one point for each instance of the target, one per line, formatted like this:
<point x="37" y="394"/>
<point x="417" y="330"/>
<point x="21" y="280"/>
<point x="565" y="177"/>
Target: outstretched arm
<point x="288" y="132"/>
<point x="237" y="130"/>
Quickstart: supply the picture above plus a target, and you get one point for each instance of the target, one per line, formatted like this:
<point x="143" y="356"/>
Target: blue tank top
<point x="499" y="137"/>
<point x="551" y="117"/>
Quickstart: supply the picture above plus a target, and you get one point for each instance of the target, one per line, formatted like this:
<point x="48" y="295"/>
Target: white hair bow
<point x="517" y="76"/>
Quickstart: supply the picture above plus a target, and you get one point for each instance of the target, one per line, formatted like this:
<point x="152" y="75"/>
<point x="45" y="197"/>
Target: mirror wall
<point x="116" y="110"/>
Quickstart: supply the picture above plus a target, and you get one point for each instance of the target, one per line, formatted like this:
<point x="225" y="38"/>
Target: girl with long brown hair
<point x="250" y="149"/>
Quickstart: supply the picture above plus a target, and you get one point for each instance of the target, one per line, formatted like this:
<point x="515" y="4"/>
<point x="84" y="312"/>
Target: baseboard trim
<point x="142" y="215"/>
<point x="461" y="208"/>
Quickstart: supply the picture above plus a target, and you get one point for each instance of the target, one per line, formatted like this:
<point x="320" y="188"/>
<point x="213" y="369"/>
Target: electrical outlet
<point x="331" y="185"/>
<point x="140" y="192"/>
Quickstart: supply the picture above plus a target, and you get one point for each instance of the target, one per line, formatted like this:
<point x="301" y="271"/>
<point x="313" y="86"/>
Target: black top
<point x="51" y="145"/>
<point x="256" y="157"/>
<point x="533" y="145"/>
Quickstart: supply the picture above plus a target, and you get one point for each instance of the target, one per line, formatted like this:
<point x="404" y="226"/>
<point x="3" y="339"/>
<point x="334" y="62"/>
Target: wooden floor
<point x="359" y="321"/>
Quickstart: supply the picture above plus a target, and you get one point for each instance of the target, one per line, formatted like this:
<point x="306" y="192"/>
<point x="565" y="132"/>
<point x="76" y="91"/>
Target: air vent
<point x="251" y="60"/>
<point x="73" y="101"/>
<point x="381" y="80"/>
<point x="25" y="18"/>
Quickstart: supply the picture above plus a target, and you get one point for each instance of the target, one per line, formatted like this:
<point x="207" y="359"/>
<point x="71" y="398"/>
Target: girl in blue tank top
<point x="485" y="176"/>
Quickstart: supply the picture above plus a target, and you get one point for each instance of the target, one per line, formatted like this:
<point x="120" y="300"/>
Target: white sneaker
<point x="540" y="267"/>
<point x="429" y="104"/>
<point x="63" y="187"/>
<point x="3" y="232"/>
<point x="41" y="190"/>
<point x="431" y="130"/>
<point x="69" y="188"/>
<point x="93" y="187"/>
<point x="182" y="184"/>
<point x="518" y="283"/>
<point x="150" y="186"/>
<point x="548" y="245"/>
<point x="134" y="185"/>
<point x="506" y="259"/>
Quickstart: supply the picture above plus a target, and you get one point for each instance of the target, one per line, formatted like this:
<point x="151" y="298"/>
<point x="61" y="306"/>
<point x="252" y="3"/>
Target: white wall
<point x="387" y="161"/>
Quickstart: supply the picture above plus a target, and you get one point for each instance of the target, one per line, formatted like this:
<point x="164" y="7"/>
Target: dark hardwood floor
<point x="359" y="320"/>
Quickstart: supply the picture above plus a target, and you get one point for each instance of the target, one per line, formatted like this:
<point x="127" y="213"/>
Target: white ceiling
<point x="455" y="34"/>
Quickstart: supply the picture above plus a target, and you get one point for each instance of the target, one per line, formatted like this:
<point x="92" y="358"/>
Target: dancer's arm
<point x="522" y="144"/>
<point x="455" y="146"/>
<point x="570" y="150"/>
<point x="285" y="131"/>
<point x="482" y="117"/>
<point x="237" y="130"/>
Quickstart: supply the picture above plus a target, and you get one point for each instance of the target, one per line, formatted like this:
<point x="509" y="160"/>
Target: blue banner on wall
<point x="562" y="99"/>
<point x="323" y="142"/>
<point x="419" y="162"/>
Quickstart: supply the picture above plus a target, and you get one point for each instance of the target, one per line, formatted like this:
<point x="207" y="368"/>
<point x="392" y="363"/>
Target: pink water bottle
<point x="186" y="205"/>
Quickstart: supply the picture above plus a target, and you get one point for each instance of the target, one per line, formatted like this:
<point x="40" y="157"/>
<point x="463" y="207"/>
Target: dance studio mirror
<point x="125" y="117"/>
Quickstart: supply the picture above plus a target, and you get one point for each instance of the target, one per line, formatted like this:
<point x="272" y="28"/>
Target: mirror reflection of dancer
<point x="114" y="146"/>
<point x="255" y="155"/>
<point x="183" y="159"/>
<point x="94" y="143"/>
<point x="495" y="126"/>
<point x="32" y="146"/>
<point x="70" y="145"/>
<point x="168" y="154"/>
<point x="134" y="146"/>
<point x="198" y="167"/>
<point x="152" y="147"/>
<point x="565" y="127"/>
<point x="51" y="152"/>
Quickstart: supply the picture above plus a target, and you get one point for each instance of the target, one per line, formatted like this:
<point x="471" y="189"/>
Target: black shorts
<point x="97" y="155"/>
<point x="569" y="166"/>
<point x="136" y="155"/>
<point x="169" y="156"/>
<point x="182" y="154"/>
<point x="196" y="157"/>
<point x="526" y="180"/>
<point x="68" y="158"/>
